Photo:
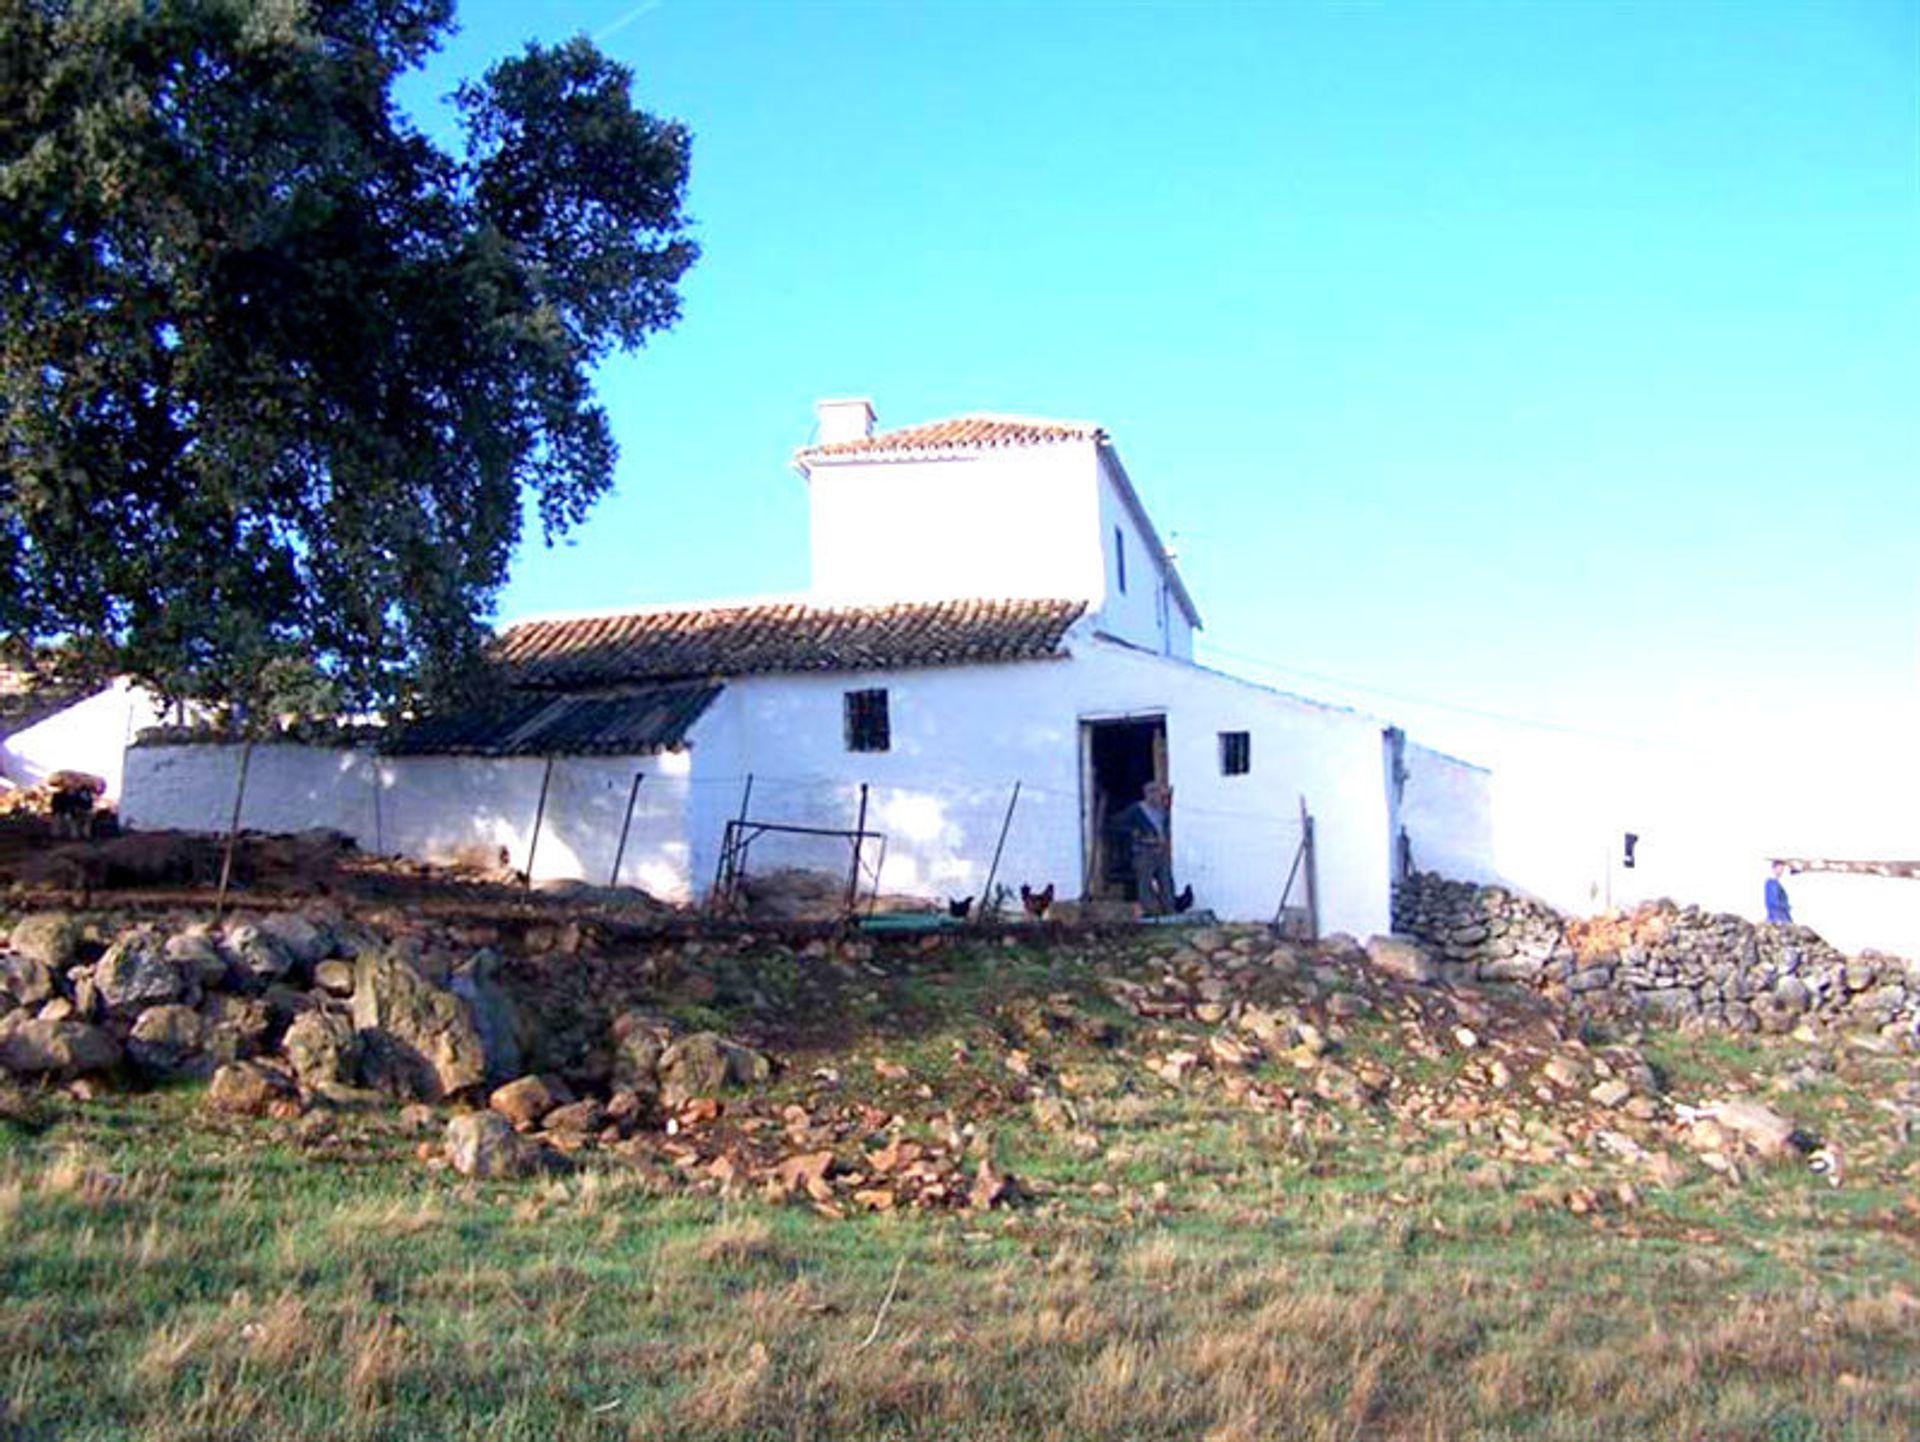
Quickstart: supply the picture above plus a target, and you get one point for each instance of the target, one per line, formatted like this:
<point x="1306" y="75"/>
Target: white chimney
<point x="844" y="420"/>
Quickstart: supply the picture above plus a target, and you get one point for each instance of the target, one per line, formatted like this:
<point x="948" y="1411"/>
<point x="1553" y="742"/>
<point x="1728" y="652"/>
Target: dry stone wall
<point x="1677" y="963"/>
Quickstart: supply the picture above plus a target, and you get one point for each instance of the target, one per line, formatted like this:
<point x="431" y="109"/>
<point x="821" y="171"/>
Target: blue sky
<point x="1554" y="361"/>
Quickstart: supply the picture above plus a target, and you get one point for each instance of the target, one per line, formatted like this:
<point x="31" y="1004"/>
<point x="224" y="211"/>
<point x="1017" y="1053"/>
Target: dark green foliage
<point x="275" y="370"/>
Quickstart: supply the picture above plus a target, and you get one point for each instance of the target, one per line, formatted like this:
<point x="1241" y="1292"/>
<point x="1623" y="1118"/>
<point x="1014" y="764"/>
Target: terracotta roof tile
<point x="965" y="433"/>
<point x="780" y="636"/>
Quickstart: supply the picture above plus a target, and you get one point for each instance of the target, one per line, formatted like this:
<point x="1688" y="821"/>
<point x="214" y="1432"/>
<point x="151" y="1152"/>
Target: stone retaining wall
<point x="1678" y="963"/>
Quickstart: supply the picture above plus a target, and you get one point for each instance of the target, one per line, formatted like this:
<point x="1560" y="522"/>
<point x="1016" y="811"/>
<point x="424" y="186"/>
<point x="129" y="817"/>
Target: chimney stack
<point x="844" y="420"/>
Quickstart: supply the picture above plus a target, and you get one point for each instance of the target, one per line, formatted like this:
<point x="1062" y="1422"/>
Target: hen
<point x="1184" y="901"/>
<point x="1036" y="902"/>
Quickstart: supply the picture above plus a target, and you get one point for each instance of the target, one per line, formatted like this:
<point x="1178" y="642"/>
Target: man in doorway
<point x="1779" y="909"/>
<point x="1148" y="824"/>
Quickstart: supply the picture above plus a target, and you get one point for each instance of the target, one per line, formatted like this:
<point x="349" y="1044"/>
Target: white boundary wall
<point x="961" y="736"/>
<point x="434" y="807"/>
<point x="1447" y="810"/>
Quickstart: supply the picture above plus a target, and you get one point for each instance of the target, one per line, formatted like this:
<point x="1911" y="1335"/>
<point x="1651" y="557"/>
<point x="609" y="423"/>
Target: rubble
<point x="1663" y="961"/>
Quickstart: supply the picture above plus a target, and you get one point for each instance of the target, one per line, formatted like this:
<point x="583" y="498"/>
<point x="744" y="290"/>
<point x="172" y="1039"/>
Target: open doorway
<point x="1118" y="759"/>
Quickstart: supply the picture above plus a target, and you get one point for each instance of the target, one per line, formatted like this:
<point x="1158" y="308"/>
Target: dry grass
<point x="1184" y="1268"/>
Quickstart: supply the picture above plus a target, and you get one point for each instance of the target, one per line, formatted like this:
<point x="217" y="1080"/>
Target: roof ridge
<point x="972" y="430"/>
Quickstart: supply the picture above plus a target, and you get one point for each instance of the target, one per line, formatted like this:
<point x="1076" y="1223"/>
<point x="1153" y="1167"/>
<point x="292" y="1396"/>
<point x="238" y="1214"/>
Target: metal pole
<point x="723" y="869"/>
<point x="379" y="837"/>
<point x="539" y="813"/>
<point x="1313" y="887"/>
<point x="620" y="851"/>
<point x="879" y="870"/>
<point x="1006" y="822"/>
<point x="233" y="830"/>
<point x="853" y="871"/>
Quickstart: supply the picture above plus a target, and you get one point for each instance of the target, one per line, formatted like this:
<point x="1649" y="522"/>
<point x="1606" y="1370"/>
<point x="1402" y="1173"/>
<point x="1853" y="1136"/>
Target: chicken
<point x="1184" y="901"/>
<point x="958" y="907"/>
<point x="1036" y="902"/>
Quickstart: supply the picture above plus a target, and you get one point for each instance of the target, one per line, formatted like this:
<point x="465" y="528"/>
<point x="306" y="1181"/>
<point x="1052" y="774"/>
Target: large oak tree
<point x="276" y="371"/>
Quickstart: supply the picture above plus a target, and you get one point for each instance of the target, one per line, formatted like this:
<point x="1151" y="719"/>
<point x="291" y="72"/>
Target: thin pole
<point x="1313" y="888"/>
<point x="1299" y="853"/>
<point x="539" y="813"/>
<point x="379" y="837"/>
<point x="859" y="835"/>
<point x="1006" y="822"/>
<point x="723" y="869"/>
<point x="620" y="851"/>
<point x="233" y="830"/>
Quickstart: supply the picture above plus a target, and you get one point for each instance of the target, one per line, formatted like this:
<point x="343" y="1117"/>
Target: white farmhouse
<point x="940" y="658"/>
<point x="45" y="729"/>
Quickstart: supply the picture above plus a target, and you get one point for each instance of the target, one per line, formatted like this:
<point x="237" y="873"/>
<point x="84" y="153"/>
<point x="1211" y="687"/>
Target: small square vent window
<point x="867" y="727"/>
<point x="1236" y="753"/>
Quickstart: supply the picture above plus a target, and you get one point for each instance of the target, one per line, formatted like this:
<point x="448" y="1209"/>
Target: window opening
<point x="868" y="727"/>
<point x="1236" y="753"/>
<point x="1120" y="557"/>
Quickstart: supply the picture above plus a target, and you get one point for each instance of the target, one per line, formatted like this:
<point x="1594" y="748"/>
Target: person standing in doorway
<point x="1779" y="909"/>
<point x="1148" y="824"/>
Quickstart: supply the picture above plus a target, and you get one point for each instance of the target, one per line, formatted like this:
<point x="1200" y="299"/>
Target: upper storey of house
<point x="989" y="506"/>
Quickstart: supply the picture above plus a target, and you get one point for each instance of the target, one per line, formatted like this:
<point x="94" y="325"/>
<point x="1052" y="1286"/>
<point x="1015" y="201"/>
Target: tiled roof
<point x="538" y="723"/>
<point x="780" y="636"/>
<point x="965" y="433"/>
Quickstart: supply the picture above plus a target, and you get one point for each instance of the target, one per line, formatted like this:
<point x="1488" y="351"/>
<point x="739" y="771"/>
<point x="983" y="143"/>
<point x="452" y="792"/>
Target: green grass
<point x="1185" y="1265"/>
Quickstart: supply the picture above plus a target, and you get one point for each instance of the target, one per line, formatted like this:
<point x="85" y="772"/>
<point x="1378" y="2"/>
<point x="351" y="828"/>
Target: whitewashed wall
<point x="434" y="807"/>
<point x="1021" y="522"/>
<point x="962" y="736"/>
<point x="1447" y="810"/>
<point x="91" y="735"/>
<point x="1028" y="521"/>
<point x="1146" y="613"/>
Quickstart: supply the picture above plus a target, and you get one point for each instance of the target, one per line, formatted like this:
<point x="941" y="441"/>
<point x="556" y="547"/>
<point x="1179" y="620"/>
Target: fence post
<point x="620" y="851"/>
<point x="986" y="892"/>
<point x="539" y="813"/>
<point x="1313" y="868"/>
<point x="859" y="836"/>
<point x="233" y="831"/>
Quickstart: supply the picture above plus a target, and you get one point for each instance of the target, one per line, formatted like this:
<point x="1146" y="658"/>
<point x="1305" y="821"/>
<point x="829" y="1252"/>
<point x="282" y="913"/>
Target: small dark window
<point x="867" y="728"/>
<point x="1236" y="753"/>
<point x="1120" y="557"/>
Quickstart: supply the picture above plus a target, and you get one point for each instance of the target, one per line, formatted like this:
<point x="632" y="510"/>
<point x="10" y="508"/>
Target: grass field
<point x="1181" y="1266"/>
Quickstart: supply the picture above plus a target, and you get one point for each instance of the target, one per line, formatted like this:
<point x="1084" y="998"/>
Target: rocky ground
<point x="379" y="1171"/>
<point x="797" y="1066"/>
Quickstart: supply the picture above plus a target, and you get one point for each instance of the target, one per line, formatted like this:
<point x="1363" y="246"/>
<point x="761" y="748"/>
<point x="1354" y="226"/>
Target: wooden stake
<point x="859" y="835"/>
<point x="379" y="837"/>
<point x="1313" y="885"/>
<point x="539" y="812"/>
<point x="620" y="851"/>
<point x="233" y="831"/>
<point x="1006" y="822"/>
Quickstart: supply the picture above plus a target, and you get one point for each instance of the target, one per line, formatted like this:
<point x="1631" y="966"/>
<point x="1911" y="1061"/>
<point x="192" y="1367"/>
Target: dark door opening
<point x="1118" y="759"/>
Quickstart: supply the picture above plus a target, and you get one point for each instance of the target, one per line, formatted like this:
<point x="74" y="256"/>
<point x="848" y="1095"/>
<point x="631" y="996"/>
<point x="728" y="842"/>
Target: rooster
<point x="1184" y="901"/>
<point x="1036" y="902"/>
<point x="958" y="907"/>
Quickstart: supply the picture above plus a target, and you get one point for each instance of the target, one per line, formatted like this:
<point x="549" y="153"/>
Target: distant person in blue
<point x="1779" y="909"/>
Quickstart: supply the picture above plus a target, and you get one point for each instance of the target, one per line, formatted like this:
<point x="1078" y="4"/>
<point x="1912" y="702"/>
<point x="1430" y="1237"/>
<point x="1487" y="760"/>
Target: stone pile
<point x="1671" y="963"/>
<point x="295" y="1009"/>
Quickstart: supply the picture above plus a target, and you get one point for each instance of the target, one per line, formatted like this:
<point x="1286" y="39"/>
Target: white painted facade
<point x="438" y="808"/>
<point x="1019" y="522"/>
<point x="1040" y="521"/>
<point x="90" y="735"/>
